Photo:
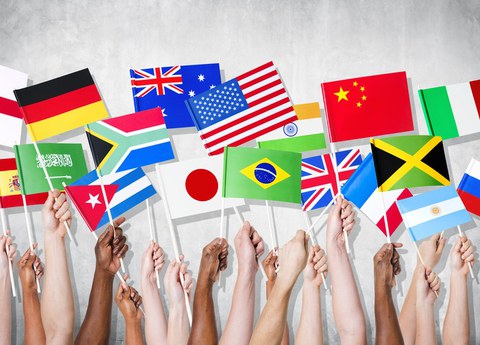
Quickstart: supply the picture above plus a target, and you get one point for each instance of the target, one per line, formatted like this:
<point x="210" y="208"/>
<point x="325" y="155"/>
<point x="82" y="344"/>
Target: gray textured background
<point x="436" y="42"/>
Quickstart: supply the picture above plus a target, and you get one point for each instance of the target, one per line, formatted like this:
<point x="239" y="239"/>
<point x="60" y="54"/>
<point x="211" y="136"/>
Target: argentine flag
<point x="432" y="212"/>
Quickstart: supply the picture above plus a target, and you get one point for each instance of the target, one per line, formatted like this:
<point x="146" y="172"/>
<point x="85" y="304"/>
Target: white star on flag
<point x="93" y="200"/>
<point x="212" y="86"/>
<point x="201" y="77"/>
<point x="191" y="93"/>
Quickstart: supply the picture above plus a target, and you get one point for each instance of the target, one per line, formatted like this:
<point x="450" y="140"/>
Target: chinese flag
<point x="367" y="107"/>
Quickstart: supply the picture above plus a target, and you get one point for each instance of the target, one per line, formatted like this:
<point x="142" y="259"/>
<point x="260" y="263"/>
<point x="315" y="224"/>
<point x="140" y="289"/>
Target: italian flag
<point x="452" y="110"/>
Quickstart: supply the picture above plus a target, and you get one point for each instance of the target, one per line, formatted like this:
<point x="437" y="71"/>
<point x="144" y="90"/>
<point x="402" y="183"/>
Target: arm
<point x="292" y="260"/>
<point x="178" y="327"/>
<point x="347" y="309"/>
<point x="95" y="329"/>
<point x="427" y="284"/>
<point x="386" y="267"/>
<point x="431" y="251"/>
<point x="269" y="264"/>
<point x="156" y="322"/>
<point x="310" y="327"/>
<point x="214" y="260"/>
<point x="128" y="301"/>
<point x="29" y="267"/>
<point x="456" y="327"/>
<point x="57" y="296"/>
<point x="239" y="327"/>
<point x="5" y="289"/>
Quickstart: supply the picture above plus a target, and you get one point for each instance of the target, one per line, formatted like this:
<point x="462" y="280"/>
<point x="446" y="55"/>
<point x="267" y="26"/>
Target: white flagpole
<point x="270" y="226"/>
<point x="176" y="248"/>
<point x="10" y="266"/>
<point x="323" y="211"/>
<point x="387" y="228"/>
<point x="49" y="180"/>
<point x="30" y="235"/>
<point x="152" y="237"/>
<point x="311" y="232"/>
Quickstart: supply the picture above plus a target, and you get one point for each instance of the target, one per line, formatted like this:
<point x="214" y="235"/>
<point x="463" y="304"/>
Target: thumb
<point x="337" y="210"/>
<point x="458" y="246"/>
<point x="121" y="291"/>
<point x="106" y="237"/>
<point x="246" y="229"/>
<point x="50" y="201"/>
<point x="441" y="244"/>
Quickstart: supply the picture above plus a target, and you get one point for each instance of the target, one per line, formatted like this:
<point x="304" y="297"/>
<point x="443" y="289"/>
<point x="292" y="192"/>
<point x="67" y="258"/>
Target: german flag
<point x="409" y="161"/>
<point x="60" y="104"/>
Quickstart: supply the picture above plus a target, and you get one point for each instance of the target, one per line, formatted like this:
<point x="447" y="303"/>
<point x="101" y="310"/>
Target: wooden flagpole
<point x="10" y="266"/>
<point x="30" y="236"/>
<point x="176" y="248"/>
<point x="152" y="237"/>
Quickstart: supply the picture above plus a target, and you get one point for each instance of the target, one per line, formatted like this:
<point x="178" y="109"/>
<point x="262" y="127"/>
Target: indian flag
<point x="452" y="110"/>
<point x="305" y="134"/>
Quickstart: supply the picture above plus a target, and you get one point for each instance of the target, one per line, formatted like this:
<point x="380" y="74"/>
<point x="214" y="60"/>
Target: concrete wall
<point x="436" y="42"/>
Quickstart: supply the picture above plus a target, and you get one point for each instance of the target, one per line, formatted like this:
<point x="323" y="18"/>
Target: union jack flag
<point x="158" y="81"/>
<point x="319" y="180"/>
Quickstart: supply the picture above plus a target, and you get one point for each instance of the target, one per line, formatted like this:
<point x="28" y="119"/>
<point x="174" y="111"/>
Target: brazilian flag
<point x="262" y="174"/>
<point x="409" y="161"/>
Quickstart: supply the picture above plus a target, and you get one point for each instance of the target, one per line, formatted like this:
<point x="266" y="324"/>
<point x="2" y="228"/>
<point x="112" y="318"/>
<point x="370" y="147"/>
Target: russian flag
<point x="469" y="187"/>
<point x="432" y="212"/>
<point x="362" y="189"/>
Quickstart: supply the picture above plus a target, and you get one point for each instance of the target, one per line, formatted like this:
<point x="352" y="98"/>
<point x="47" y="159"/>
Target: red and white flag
<point x="11" y="119"/>
<point x="241" y="109"/>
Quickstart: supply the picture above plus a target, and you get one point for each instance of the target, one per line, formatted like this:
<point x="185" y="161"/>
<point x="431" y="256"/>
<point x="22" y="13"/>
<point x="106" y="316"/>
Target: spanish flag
<point x="60" y="104"/>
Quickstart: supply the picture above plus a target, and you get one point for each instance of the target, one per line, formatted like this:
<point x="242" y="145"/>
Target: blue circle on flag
<point x="290" y="129"/>
<point x="265" y="173"/>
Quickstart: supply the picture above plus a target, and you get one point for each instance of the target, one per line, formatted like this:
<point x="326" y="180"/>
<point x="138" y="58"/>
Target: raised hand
<point x="432" y="249"/>
<point x="29" y="268"/>
<point x="152" y="261"/>
<point x="387" y="264"/>
<point x="55" y="212"/>
<point x="173" y="285"/>
<point x="462" y="255"/>
<point x="316" y="265"/>
<point x="214" y="260"/>
<point x="248" y="247"/>
<point x="292" y="259"/>
<point x="128" y="301"/>
<point x="110" y="249"/>
<point x="428" y="284"/>
<point x="8" y="251"/>
<point x="340" y="218"/>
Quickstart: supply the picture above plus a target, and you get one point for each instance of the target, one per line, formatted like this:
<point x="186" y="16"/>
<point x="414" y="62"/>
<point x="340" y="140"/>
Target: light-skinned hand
<point x="153" y="260"/>
<point x="248" y="247"/>
<point x="461" y="255"/>
<point x="8" y="251"/>
<point x="340" y="218"/>
<point x="292" y="259"/>
<point x="173" y="285"/>
<point x="431" y="250"/>
<point x="427" y="284"/>
<point x="55" y="212"/>
<point x="316" y="265"/>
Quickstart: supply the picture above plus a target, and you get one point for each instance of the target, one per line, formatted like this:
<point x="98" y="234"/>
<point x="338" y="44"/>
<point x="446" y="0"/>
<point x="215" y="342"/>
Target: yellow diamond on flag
<point x="265" y="173"/>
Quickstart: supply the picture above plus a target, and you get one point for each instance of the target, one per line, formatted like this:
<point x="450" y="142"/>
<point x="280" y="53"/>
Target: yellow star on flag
<point x="355" y="83"/>
<point x="341" y="94"/>
<point x="359" y="105"/>
<point x="362" y="88"/>
<point x="364" y="98"/>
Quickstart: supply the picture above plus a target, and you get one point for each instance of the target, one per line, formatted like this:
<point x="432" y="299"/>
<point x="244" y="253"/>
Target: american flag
<point x="319" y="181"/>
<point x="241" y="109"/>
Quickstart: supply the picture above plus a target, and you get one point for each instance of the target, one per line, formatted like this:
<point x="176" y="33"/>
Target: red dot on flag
<point x="201" y="185"/>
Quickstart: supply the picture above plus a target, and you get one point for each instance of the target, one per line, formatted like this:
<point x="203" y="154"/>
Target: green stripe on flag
<point x="296" y="144"/>
<point x="438" y="112"/>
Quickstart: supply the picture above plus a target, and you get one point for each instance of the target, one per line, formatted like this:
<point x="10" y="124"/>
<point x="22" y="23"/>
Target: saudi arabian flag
<point x="305" y="134"/>
<point x="64" y="163"/>
<point x="262" y="174"/>
<point x="452" y="110"/>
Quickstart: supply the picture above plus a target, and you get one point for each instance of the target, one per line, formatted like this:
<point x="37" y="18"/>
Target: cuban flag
<point x="241" y="109"/>
<point x="319" y="180"/>
<point x="432" y="212"/>
<point x="124" y="190"/>
<point x="362" y="190"/>
<point x="469" y="187"/>
<point x="169" y="87"/>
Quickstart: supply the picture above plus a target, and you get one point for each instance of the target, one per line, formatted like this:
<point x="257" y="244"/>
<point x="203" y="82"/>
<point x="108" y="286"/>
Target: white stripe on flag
<point x="10" y="80"/>
<point x="11" y="130"/>
<point x="374" y="208"/>
<point x="463" y="108"/>
<point x="133" y="133"/>
<point x="430" y="212"/>
<point x="129" y="191"/>
<point x="305" y="127"/>
<point x="257" y="75"/>
<point x="264" y="93"/>
<point x="474" y="169"/>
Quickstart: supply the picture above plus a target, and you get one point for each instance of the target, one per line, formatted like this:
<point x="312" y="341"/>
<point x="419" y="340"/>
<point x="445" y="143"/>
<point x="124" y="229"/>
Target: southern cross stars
<point x="201" y="77"/>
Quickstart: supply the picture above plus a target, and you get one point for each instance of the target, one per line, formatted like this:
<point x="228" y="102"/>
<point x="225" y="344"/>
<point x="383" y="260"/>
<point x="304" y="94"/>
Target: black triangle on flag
<point x="100" y="148"/>
<point x="436" y="160"/>
<point x="386" y="164"/>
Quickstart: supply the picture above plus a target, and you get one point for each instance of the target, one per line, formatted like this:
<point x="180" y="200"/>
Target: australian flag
<point x="169" y="87"/>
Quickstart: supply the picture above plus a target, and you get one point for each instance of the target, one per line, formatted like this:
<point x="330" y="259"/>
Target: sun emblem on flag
<point x="435" y="210"/>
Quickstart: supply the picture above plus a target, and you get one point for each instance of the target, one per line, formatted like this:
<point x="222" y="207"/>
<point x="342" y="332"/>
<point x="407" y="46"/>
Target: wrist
<point x="101" y="273"/>
<point x="247" y="273"/>
<point x="310" y="287"/>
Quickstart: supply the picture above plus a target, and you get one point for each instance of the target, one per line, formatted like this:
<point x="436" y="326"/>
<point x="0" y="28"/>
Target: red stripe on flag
<point x="266" y="98"/>
<point x="258" y="80"/>
<point x="252" y="136"/>
<point x="351" y="159"/>
<point x="393" y="215"/>
<point x="245" y="118"/>
<point x="137" y="121"/>
<point x="61" y="104"/>
<point x="253" y="71"/>
<point x="248" y="127"/>
<point x="475" y="86"/>
<point x="9" y="107"/>
<point x="312" y="199"/>
<point x="262" y="89"/>
<point x="16" y="200"/>
<point x="471" y="202"/>
<point x="7" y="164"/>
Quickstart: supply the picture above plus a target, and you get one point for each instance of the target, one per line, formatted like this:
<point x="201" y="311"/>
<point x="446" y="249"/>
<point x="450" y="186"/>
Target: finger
<point x="458" y="245"/>
<point x="118" y="244"/>
<point x="260" y="249"/>
<point x="256" y="238"/>
<point x="157" y="254"/>
<point x="347" y="228"/>
<point x="119" y="221"/>
<point x="441" y="244"/>
<point x="121" y="254"/>
<point x="122" y="289"/>
<point x="106" y="237"/>
<point x="465" y="245"/>
<point x="66" y="216"/>
<point x="467" y="253"/>
<point x="347" y="211"/>
<point x="48" y="205"/>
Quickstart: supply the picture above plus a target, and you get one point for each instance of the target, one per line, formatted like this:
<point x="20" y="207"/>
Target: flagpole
<point x="387" y="228"/>
<point x="460" y="233"/>
<point x="175" y="243"/>
<point x="10" y="266"/>
<point x="150" y="225"/>
<point x="30" y="236"/>
<point x="109" y="213"/>
<point x="270" y="227"/>
<point x="49" y="180"/>
<point x="337" y="178"/>
<point x="119" y="276"/>
<point x="323" y="211"/>
<point x="314" y="242"/>
<point x="222" y="233"/>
